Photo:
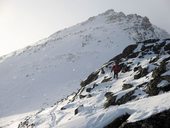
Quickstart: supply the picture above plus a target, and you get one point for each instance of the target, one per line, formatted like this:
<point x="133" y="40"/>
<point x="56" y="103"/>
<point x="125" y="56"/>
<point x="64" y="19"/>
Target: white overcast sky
<point x="23" y="22"/>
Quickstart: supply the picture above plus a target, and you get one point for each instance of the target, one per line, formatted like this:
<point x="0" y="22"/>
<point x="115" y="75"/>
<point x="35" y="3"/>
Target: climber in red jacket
<point x="116" y="69"/>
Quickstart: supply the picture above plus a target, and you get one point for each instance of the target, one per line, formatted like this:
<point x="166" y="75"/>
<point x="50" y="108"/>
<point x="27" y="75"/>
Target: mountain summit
<point x="39" y="75"/>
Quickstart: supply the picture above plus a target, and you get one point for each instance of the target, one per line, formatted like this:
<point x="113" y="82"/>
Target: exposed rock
<point x="167" y="47"/>
<point x="82" y="96"/>
<point x="76" y="111"/>
<point x="136" y="68"/>
<point x="129" y="50"/>
<point x="156" y="49"/>
<point x="63" y="108"/>
<point x="109" y="99"/>
<point x="106" y="79"/>
<point x="126" y="98"/>
<point x="88" y="89"/>
<point x="108" y="95"/>
<point x="133" y="55"/>
<point x="141" y="72"/>
<point x="146" y="23"/>
<point x="126" y="86"/>
<point x="112" y="99"/>
<point x="160" y="120"/>
<point x="152" y="60"/>
<point x="118" y="57"/>
<point x="167" y="77"/>
<point x="165" y="88"/>
<point x="158" y="71"/>
<point x="152" y="88"/>
<point x="89" y="95"/>
<point x="92" y="77"/>
<point x="146" y="47"/>
<point x="125" y="68"/>
<point x="118" y="121"/>
<point x="95" y="85"/>
<point x="102" y="71"/>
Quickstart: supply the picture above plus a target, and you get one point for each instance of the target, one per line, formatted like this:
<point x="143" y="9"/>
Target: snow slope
<point x="105" y="99"/>
<point x="40" y="75"/>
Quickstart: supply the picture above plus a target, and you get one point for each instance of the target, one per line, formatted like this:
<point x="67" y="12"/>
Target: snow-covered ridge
<point x="141" y="91"/>
<point x="139" y="27"/>
<point x="37" y="76"/>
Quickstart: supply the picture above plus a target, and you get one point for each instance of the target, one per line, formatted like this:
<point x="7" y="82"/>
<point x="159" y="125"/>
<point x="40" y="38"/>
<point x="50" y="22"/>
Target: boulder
<point x="133" y="55"/>
<point x="167" y="47"/>
<point x="88" y="89"/>
<point x="126" y="86"/>
<point x="160" y="120"/>
<point x="129" y="50"/>
<point x="118" y="121"/>
<point x="76" y="111"/>
<point x="92" y="77"/>
<point x="63" y="108"/>
<point x="106" y="79"/>
<point x="141" y="72"/>
<point x="158" y="71"/>
<point x="112" y="99"/>
<point x="156" y="49"/>
<point x="167" y="77"/>
<point x="82" y="96"/>
<point x="152" y="88"/>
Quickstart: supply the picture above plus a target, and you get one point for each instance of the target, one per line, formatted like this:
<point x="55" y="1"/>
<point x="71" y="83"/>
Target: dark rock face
<point x="112" y="99"/>
<point x="106" y="79"/>
<point x="161" y="120"/>
<point x="146" y="47"/>
<point x="146" y="23"/>
<point x="76" y="111"/>
<point x="133" y="55"/>
<point x="141" y="72"/>
<point x="152" y="60"/>
<point x="88" y="89"/>
<point x="63" y="108"/>
<point x="82" y="96"/>
<point x="127" y="86"/>
<point x="129" y="50"/>
<point x="92" y="77"/>
<point x="125" y="68"/>
<point x="167" y="47"/>
<point x="152" y="88"/>
<point x="167" y="77"/>
<point x="118" y="122"/>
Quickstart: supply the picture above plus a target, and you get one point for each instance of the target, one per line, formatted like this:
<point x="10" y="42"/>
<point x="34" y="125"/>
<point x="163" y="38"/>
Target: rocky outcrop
<point x="160" y="120"/>
<point x="126" y="86"/>
<point x="92" y="77"/>
<point x="118" y="121"/>
<point x="141" y="72"/>
<point x="106" y="79"/>
<point x="112" y="99"/>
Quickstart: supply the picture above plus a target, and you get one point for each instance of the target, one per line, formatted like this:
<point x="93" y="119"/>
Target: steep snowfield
<point x="40" y="75"/>
<point x="105" y="99"/>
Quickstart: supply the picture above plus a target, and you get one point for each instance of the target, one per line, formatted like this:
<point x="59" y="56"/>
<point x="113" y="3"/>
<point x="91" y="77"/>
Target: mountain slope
<point x="138" y="98"/>
<point x="38" y="75"/>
